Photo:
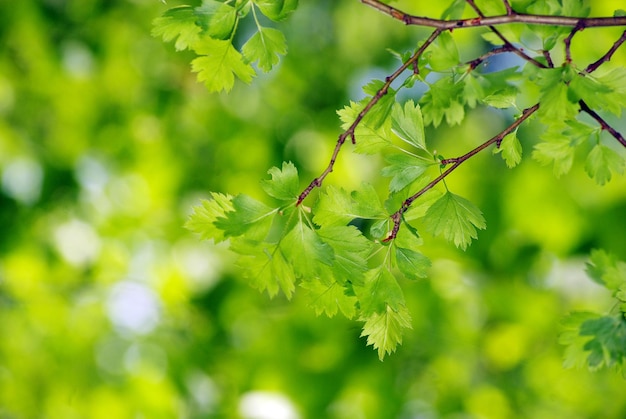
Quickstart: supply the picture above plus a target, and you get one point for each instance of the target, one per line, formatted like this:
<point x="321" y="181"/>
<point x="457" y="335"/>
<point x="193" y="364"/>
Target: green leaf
<point x="336" y="207"/>
<point x="265" y="267"/>
<point x="575" y="355"/>
<point x="555" y="102"/>
<point x="455" y="218"/>
<point x="407" y="123"/>
<point x="601" y="162"/>
<point x="502" y="99"/>
<point x="411" y="263"/>
<point x="217" y="19"/>
<point x="443" y="53"/>
<point x="511" y="150"/>
<point x="607" y="346"/>
<point x="329" y="297"/>
<point x="178" y="23"/>
<point x="276" y="9"/>
<point x="284" y="184"/>
<point x="380" y="289"/>
<point x="605" y="269"/>
<point x="305" y="251"/>
<point x="265" y="46"/>
<point x="384" y="330"/>
<point x="404" y="169"/>
<point x="619" y="13"/>
<point x="248" y="216"/>
<point x="351" y="250"/>
<point x="379" y="113"/>
<point x="443" y="99"/>
<point x="218" y="65"/>
<point x="202" y="220"/>
<point x="587" y="88"/>
<point x="369" y="139"/>
<point x="556" y="148"/>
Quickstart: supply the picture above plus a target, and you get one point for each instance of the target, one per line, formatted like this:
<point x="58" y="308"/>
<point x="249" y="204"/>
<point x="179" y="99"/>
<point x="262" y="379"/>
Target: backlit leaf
<point x="265" y="47"/>
<point x="601" y="162"/>
<point x="510" y="149"/>
<point x="411" y="263"/>
<point x="284" y="184"/>
<point x="455" y="218"/>
<point x="384" y="330"/>
<point x="218" y="65"/>
<point x="305" y="251"/>
<point x="407" y="123"/>
<point x="202" y="221"/>
<point x="178" y="23"/>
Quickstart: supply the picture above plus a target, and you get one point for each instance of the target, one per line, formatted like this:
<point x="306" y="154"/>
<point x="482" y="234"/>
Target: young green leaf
<point x="329" y="297"/>
<point x="178" y="23"/>
<point x="444" y="99"/>
<point x="218" y="64"/>
<point x="411" y="263"/>
<point x="305" y="251"/>
<point x="216" y="18"/>
<point x="503" y="98"/>
<point x="265" y="267"/>
<point x="404" y="169"/>
<point x="555" y="101"/>
<point x="351" y="250"/>
<point x="607" y="345"/>
<point x="443" y="53"/>
<point x="265" y="46"/>
<point x="605" y="269"/>
<point x="556" y="148"/>
<point x="202" y="221"/>
<point x="384" y="330"/>
<point x="380" y="289"/>
<point x="455" y="218"/>
<point x="370" y="140"/>
<point x="407" y="123"/>
<point x="378" y="114"/>
<point x="601" y="162"/>
<point x="276" y="9"/>
<point x="249" y="217"/>
<point x="511" y="150"/>
<point x="284" y="184"/>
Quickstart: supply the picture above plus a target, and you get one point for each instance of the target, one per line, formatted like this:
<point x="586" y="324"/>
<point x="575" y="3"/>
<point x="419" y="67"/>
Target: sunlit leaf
<point x="218" y="64"/>
<point x="284" y="184"/>
<point x="265" y="47"/>
<point x="178" y="23"/>
<point x="202" y="220"/>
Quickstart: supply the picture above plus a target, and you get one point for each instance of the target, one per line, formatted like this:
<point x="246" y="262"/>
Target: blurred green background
<point x="110" y="309"/>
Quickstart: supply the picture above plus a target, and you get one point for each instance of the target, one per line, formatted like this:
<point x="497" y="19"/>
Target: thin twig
<point x="317" y="182"/>
<point x="456" y="162"/>
<point x="507" y="43"/>
<point x="606" y="57"/>
<point x="605" y="126"/>
<point x="514" y="17"/>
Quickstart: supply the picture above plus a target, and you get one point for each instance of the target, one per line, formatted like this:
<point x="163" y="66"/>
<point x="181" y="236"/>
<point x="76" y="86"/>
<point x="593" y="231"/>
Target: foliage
<point x="109" y="308"/>
<point x="282" y="245"/>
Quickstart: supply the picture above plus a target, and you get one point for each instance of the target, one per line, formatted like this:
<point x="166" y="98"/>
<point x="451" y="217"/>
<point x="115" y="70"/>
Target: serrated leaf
<point x="608" y="343"/>
<point x="368" y="203"/>
<point x="404" y="169"/>
<point x="605" y="269"/>
<point x="265" y="267"/>
<point x="601" y="162"/>
<point x="443" y="53"/>
<point x="202" y="220"/>
<point x="379" y="113"/>
<point x="248" y="216"/>
<point x="557" y="149"/>
<point x="407" y="123"/>
<point x="277" y="9"/>
<point x="305" y="251"/>
<point x="384" y="330"/>
<point x="594" y="93"/>
<point x="351" y="250"/>
<point x="216" y="18"/>
<point x="369" y="139"/>
<point x="455" y="10"/>
<point x="443" y="99"/>
<point x="218" y="65"/>
<point x="329" y="298"/>
<point x="284" y="184"/>
<point x="380" y="289"/>
<point x="336" y="207"/>
<point x="555" y="102"/>
<point x="510" y="149"/>
<point x="178" y="23"/>
<point x="411" y="263"/>
<point x="575" y="355"/>
<point x="502" y="99"/>
<point x="455" y="218"/>
<point x="265" y="47"/>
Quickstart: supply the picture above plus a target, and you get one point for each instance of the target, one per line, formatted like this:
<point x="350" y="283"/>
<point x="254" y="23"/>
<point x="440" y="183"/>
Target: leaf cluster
<point x="209" y="31"/>
<point x="592" y="339"/>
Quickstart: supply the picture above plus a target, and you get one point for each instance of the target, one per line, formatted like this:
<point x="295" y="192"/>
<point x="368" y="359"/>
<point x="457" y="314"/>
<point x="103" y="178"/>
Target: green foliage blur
<point x="110" y="309"/>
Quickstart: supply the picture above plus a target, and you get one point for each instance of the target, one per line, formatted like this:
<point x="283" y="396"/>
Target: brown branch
<point x="605" y="126"/>
<point x="514" y="17"/>
<point x="507" y="43"/>
<point x="606" y="57"/>
<point x="317" y="182"/>
<point x="456" y="162"/>
<point x="568" y="42"/>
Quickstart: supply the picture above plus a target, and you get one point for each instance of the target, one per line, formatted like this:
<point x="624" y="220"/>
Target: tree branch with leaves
<point x="356" y="270"/>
